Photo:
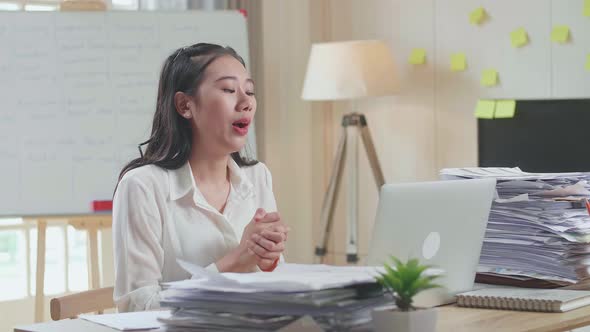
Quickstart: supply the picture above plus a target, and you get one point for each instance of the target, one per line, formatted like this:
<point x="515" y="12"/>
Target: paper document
<point x="338" y="298"/>
<point x="285" y="278"/>
<point x="538" y="226"/>
<point x="129" y="321"/>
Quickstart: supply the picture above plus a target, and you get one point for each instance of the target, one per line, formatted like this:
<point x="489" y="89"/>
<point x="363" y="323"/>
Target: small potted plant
<point x="404" y="281"/>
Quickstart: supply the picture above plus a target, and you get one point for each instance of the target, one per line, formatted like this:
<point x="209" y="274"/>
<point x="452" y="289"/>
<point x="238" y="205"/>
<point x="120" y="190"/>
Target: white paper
<point x="267" y="301"/>
<point x="129" y="321"/>
<point x="286" y="278"/>
<point x="519" y="198"/>
<point x="575" y="189"/>
<point x="537" y="226"/>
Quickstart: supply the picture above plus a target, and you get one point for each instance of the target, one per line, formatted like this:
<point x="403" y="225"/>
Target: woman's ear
<point x="182" y="103"/>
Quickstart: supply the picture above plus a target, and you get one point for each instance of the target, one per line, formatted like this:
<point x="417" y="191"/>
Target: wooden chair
<point x="70" y="306"/>
<point x="91" y="223"/>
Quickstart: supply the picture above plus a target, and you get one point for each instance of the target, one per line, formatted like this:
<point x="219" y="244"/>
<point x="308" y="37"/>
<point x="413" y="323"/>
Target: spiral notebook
<point x="525" y="299"/>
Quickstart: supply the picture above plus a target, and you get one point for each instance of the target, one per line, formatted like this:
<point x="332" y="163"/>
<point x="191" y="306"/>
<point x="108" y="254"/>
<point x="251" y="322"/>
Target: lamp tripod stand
<point x="353" y="124"/>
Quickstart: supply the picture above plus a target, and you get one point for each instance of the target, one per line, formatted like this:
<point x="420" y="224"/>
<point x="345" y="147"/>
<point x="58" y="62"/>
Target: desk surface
<point x="451" y="319"/>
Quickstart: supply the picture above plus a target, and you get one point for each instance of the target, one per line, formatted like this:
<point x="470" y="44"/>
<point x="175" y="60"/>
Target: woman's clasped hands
<point x="262" y="243"/>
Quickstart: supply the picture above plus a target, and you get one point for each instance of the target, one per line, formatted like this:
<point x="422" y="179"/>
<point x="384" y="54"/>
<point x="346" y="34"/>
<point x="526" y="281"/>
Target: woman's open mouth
<point x="241" y="126"/>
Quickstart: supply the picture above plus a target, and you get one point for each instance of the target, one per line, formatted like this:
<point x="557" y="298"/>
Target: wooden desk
<point x="451" y="319"/>
<point x="91" y="223"/>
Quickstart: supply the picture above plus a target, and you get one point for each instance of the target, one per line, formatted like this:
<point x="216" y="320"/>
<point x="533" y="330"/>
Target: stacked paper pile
<point x="538" y="227"/>
<point x="337" y="298"/>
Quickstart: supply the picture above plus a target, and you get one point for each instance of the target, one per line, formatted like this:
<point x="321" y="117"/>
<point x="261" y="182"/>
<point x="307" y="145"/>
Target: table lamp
<point x="348" y="70"/>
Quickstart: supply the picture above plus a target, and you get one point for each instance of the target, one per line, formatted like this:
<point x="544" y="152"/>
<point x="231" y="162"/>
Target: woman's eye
<point x="229" y="90"/>
<point x="250" y="93"/>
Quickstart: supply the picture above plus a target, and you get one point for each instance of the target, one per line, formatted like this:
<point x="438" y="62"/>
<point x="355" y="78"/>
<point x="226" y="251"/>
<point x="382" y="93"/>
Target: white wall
<point x="567" y="78"/>
<point x="286" y="125"/>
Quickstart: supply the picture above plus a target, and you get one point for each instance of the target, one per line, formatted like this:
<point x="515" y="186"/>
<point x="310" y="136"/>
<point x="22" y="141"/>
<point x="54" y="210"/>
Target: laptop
<point x="441" y="223"/>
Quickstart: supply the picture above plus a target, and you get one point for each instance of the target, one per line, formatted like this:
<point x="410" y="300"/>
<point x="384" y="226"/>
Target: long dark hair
<point x="169" y="145"/>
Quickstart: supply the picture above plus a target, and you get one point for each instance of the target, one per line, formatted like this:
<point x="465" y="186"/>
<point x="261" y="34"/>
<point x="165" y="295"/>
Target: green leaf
<point x="412" y="264"/>
<point x="396" y="261"/>
<point x="391" y="271"/>
<point x="405" y="280"/>
<point x="392" y="282"/>
<point x="420" y="285"/>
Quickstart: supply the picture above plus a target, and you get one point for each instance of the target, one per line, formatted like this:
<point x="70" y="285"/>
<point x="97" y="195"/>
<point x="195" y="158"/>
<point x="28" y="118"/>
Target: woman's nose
<point x="247" y="107"/>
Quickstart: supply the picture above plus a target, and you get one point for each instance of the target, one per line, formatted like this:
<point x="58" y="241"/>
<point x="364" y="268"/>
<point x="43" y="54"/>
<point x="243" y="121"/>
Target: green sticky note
<point x="485" y="109"/>
<point x="519" y="37"/>
<point x="587" y="8"/>
<point x="587" y="66"/>
<point x="458" y="62"/>
<point x="418" y="56"/>
<point x="505" y="109"/>
<point x="477" y="16"/>
<point x="560" y="34"/>
<point x="489" y="77"/>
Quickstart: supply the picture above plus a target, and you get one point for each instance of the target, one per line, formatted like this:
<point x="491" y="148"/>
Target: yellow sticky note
<point x="587" y="62"/>
<point x="505" y="109"/>
<point x="477" y="16"/>
<point x="485" y="109"/>
<point x="418" y="56"/>
<point x="587" y="8"/>
<point x="519" y="37"/>
<point x="458" y="62"/>
<point x="489" y="77"/>
<point x="560" y="34"/>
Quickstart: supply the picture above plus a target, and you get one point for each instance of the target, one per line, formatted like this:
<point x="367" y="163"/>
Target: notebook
<point x="526" y="299"/>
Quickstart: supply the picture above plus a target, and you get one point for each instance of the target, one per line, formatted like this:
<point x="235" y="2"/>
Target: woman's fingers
<point x="260" y="213"/>
<point x="279" y="227"/>
<point x="269" y="245"/>
<point x="271" y="222"/>
<point x="261" y="261"/>
<point x="262" y="253"/>
<point x="277" y="232"/>
<point x="269" y="217"/>
<point x="276" y="237"/>
<point x="274" y="226"/>
<point x="267" y="265"/>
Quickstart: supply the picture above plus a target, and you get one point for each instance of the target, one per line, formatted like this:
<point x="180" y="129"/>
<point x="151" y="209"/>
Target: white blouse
<point x="160" y="215"/>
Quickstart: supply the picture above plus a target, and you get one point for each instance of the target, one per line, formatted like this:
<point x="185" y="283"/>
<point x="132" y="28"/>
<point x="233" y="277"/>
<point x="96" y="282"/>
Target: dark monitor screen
<point x="543" y="136"/>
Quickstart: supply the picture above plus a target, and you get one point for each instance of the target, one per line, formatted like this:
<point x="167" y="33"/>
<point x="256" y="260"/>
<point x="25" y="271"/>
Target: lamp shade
<point x="348" y="70"/>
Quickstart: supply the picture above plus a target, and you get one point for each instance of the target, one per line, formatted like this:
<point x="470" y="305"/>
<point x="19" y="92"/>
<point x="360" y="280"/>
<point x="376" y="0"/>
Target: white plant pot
<point x="393" y="320"/>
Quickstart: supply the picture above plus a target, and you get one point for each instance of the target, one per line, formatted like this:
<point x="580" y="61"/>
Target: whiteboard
<point x="78" y="93"/>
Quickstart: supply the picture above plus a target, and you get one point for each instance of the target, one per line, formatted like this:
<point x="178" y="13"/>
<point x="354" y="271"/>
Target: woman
<point x="192" y="196"/>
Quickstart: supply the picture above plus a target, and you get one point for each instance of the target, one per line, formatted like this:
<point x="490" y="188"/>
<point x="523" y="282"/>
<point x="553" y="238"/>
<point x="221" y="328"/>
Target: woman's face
<point x="224" y="107"/>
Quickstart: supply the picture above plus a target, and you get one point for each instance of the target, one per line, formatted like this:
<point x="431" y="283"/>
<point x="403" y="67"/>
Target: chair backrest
<point x="70" y="306"/>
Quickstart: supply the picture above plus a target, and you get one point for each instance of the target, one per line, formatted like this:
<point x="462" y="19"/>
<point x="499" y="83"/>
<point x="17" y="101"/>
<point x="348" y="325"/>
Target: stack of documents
<point x="538" y="227"/>
<point x="338" y="298"/>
